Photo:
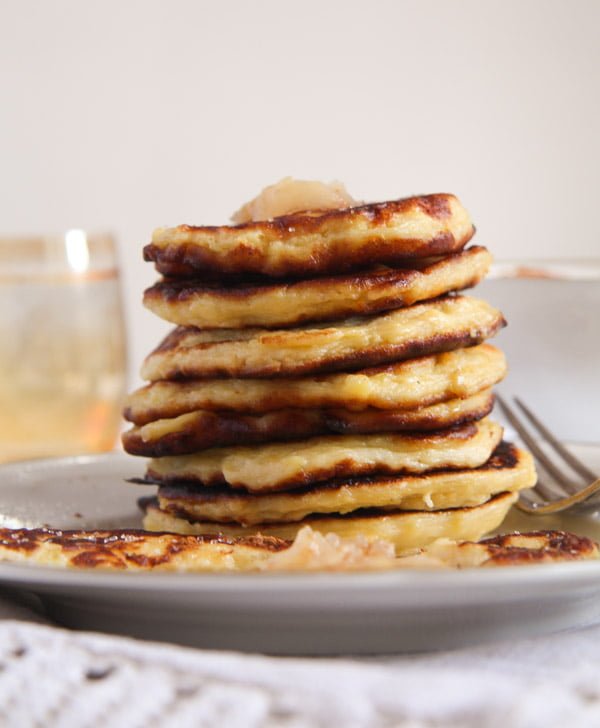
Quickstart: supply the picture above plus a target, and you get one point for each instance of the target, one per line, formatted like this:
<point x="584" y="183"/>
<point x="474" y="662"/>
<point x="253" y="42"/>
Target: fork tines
<point x="563" y="480"/>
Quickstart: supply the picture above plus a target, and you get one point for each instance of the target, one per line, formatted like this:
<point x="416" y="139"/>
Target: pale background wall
<point x="129" y="114"/>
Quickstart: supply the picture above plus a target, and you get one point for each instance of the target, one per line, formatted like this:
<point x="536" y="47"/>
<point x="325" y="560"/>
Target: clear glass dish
<point x="552" y="341"/>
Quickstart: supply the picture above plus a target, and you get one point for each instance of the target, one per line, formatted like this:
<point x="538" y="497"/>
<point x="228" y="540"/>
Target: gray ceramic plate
<point x="363" y="613"/>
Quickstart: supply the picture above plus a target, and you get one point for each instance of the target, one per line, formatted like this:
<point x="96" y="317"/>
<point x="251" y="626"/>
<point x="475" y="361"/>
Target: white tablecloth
<point x="54" y="677"/>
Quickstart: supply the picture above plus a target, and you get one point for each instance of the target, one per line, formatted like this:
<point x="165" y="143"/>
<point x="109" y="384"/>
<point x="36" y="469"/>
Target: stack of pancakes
<point x="325" y="372"/>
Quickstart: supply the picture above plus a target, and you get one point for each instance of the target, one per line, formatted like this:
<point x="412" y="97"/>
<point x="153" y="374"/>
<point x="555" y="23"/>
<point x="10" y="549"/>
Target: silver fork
<point x="542" y="500"/>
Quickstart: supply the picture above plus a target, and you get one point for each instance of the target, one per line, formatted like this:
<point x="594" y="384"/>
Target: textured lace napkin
<point x="54" y="677"/>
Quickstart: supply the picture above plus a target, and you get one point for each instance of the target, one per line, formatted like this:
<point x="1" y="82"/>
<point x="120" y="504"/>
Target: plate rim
<point x="581" y="574"/>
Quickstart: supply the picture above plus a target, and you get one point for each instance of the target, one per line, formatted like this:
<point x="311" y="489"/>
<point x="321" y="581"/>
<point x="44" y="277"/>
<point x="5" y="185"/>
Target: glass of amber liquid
<point x="62" y="346"/>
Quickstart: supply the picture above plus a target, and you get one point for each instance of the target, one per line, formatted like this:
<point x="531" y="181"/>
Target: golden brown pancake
<point x="312" y="243"/>
<point x="282" y="466"/>
<point x="271" y="305"/>
<point x="508" y="469"/>
<point x="311" y="551"/>
<point x="518" y="549"/>
<point x="407" y="385"/>
<point x="135" y="550"/>
<point x="204" y="429"/>
<point x="405" y="529"/>
<point x="425" y="328"/>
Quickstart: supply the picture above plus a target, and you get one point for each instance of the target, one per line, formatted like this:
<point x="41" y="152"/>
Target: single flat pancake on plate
<point x="316" y="242"/>
<point x="407" y="385"/>
<point x="425" y="328"/>
<point x="135" y="550"/>
<point x="204" y="429"/>
<point x="278" y="304"/>
<point x="518" y="549"/>
<point x="508" y="469"/>
<point x="407" y="530"/>
<point x="311" y="551"/>
<point x="283" y="466"/>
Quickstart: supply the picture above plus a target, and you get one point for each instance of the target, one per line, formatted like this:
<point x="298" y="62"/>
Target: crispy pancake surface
<point x="316" y="242"/>
<point x="425" y="328"/>
<point x="204" y="429"/>
<point x="405" y="529"/>
<point x="292" y="465"/>
<point x="517" y="549"/>
<point x="403" y="386"/>
<point x="311" y="551"/>
<point x="198" y="303"/>
<point x="508" y="469"/>
<point x="135" y="550"/>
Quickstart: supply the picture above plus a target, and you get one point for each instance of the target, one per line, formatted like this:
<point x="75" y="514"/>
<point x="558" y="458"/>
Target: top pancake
<point x="316" y="242"/>
<point x="285" y="303"/>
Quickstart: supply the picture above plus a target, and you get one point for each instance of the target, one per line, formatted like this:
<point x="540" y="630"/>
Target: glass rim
<point x="561" y="269"/>
<point x="73" y="255"/>
<point x="35" y="242"/>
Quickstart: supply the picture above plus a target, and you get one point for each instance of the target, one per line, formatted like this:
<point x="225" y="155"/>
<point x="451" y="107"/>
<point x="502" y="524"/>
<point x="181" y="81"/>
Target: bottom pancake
<point x="406" y="530"/>
<point x="508" y="469"/>
<point x="314" y="551"/>
<point x="311" y="551"/>
<point x="135" y="550"/>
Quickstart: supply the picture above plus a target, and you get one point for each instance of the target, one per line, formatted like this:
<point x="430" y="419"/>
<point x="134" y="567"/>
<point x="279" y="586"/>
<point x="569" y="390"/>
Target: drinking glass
<point x="62" y="346"/>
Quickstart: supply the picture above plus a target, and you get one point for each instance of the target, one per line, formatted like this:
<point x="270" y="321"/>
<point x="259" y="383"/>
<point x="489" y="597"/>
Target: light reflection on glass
<point x="78" y="254"/>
